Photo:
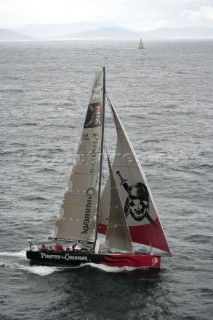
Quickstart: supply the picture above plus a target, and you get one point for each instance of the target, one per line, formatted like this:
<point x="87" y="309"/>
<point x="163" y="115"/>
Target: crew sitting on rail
<point x="75" y="247"/>
<point x="58" y="247"/>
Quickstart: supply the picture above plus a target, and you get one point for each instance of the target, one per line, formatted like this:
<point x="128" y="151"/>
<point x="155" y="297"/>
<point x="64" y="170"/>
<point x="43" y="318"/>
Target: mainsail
<point x="78" y="212"/>
<point x="136" y="198"/>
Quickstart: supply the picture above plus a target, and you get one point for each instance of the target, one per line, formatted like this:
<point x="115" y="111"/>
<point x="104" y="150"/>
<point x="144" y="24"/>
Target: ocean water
<point x="164" y="97"/>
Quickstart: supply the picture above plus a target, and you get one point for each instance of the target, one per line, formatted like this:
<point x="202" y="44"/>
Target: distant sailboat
<point x="124" y="213"/>
<point x="141" y="44"/>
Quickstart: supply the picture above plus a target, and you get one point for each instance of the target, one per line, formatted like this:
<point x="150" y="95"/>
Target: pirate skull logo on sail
<point x="137" y="201"/>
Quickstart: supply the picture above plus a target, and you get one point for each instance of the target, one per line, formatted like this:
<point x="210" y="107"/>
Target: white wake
<point x="39" y="270"/>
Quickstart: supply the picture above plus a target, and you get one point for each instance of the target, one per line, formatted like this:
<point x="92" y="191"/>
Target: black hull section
<point x="76" y="258"/>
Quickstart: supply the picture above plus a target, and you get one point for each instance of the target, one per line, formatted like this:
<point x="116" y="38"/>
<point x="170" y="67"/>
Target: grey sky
<point x="134" y="14"/>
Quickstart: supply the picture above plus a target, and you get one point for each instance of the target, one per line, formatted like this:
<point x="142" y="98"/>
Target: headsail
<point x="117" y="235"/>
<point x="136" y="198"/>
<point x="78" y="211"/>
<point x="141" y="44"/>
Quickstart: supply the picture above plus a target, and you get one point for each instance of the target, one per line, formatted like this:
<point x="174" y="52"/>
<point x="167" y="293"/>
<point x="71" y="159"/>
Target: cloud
<point x="207" y="12"/>
<point x="201" y="13"/>
<point x="137" y="14"/>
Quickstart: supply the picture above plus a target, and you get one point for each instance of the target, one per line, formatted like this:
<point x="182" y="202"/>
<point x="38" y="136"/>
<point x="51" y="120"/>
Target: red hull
<point x="72" y="258"/>
<point x="132" y="260"/>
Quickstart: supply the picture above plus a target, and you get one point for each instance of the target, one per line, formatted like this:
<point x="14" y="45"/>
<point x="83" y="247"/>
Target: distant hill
<point x="43" y="31"/>
<point x="105" y="33"/>
<point x="157" y="34"/>
<point x="180" y="33"/>
<point x="8" y="35"/>
<point x="89" y="30"/>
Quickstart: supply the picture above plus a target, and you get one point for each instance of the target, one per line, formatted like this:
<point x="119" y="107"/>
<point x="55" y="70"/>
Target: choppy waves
<point x="164" y="98"/>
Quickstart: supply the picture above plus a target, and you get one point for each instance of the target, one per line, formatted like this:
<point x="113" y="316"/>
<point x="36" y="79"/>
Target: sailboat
<point x="113" y="225"/>
<point x="141" y="44"/>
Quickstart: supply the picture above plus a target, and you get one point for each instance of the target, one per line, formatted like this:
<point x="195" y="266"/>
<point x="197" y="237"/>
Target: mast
<point x="101" y="158"/>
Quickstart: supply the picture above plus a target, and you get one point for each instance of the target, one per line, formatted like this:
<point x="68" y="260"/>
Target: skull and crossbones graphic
<point x="137" y="201"/>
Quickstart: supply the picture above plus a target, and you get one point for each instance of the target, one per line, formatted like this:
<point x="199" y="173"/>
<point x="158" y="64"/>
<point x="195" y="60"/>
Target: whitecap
<point x="39" y="270"/>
